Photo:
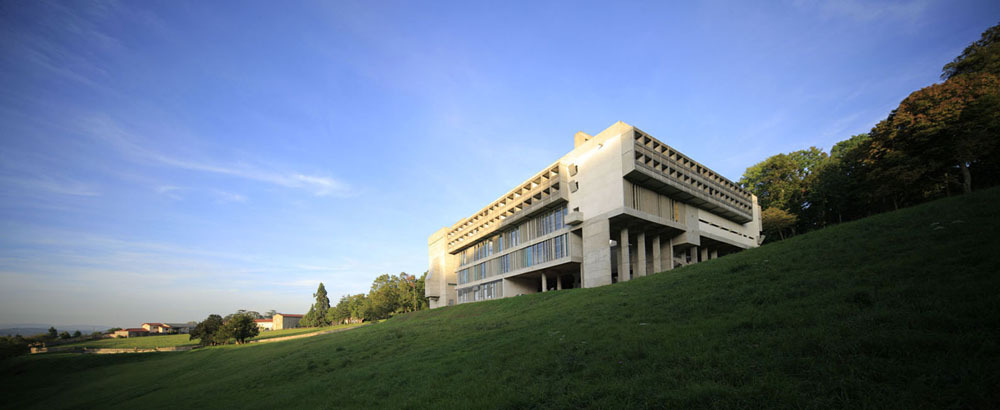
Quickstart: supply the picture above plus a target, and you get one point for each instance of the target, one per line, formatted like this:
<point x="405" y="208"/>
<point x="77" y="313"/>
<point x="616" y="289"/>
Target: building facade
<point x="620" y="205"/>
<point x="264" y="324"/>
<point x="285" y="321"/>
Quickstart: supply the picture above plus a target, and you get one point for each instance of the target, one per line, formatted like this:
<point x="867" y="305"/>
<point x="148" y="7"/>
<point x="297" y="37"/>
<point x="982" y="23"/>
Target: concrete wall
<point x="599" y="175"/>
<point x="439" y="285"/>
<point x="285" y="322"/>
<point x="518" y="286"/>
<point x="598" y="194"/>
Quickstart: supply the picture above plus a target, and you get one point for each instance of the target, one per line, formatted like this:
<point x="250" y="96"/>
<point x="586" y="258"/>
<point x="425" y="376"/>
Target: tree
<point x="206" y="330"/>
<point x="777" y="181"/>
<point x="250" y="313"/>
<point x="836" y="190"/>
<point x="53" y="333"/>
<point x="316" y="316"/>
<point x="77" y="334"/>
<point x="776" y="220"/>
<point x="270" y="314"/>
<point x="948" y="125"/>
<point x="418" y="290"/>
<point x="64" y="335"/>
<point x="240" y="327"/>
<point x="982" y="56"/>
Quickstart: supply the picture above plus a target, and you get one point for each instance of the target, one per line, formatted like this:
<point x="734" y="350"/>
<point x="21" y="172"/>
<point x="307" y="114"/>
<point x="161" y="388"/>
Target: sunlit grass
<point x="144" y="342"/>
<point x="900" y="310"/>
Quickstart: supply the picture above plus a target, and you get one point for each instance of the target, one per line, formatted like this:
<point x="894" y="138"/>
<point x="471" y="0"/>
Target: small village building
<point x="285" y="321"/>
<point x="155" y="327"/>
<point x="175" y="328"/>
<point x="264" y="324"/>
<point x="167" y="328"/>
<point x="132" y="332"/>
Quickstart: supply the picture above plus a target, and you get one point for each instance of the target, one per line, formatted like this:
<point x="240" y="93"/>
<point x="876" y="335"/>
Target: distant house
<point x="264" y="324"/>
<point x="167" y="328"/>
<point x="179" y="327"/>
<point x="132" y="332"/>
<point x="155" y="327"/>
<point x="285" y="321"/>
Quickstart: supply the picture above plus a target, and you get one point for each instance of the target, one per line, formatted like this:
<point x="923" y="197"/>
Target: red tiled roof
<point x="289" y="315"/>
<point x="263" y="320"/>
<point x="136" y="329"/>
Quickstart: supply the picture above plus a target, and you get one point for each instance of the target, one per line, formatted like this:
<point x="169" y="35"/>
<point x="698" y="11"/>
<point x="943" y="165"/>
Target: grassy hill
<point x="900" y="310"/>
<point x="147" y="342"/>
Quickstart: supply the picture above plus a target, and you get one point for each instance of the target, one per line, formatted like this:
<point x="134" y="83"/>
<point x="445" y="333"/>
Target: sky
<point x="161" y="161"/>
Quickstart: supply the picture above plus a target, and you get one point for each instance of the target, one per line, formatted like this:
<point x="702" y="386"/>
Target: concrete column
<point x="623" y="271"/>
<point x="715" y="253"/>
<point x="657" y="258"/>
<point x="545" y="285"/>
<point x="596" y="267"/>
<point x="704" y="254"/>
<point x="640" y="247"/>
<point x="668" y="254"/>
<point x="693" y="253"/>
<point x="558" y="282"/>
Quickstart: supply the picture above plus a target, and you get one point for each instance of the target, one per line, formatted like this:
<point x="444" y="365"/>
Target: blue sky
<point x="161" y="161"/>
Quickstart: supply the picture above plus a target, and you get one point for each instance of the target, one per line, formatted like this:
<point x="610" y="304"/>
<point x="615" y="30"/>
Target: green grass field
<point x="271" y="334"/>
<point x="146" y="342"/>
<point x="900" y="310"/>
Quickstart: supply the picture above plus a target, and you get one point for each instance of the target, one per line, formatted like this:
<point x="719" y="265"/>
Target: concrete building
<point x="620" y="205"/>
<point x="285" y="321"/>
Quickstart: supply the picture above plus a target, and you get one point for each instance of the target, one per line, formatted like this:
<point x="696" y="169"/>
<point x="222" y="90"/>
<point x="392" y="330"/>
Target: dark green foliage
<point x="316" y="316"/>
<point x="241" y="327"/>
<point x="12" y="346"/>
<point x="941" y="140"/>
<point x="982" y="56"/>
<point x="897" y="311"/>
<point x="53" y="333"/>
<point x="64" y="335"/>
<point x="205" y="330"/>
<point x="77" y="334"/>
<point x="252" y="314"/>
<point x="389" y="296"/>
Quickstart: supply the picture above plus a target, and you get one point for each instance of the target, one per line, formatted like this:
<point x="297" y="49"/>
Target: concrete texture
<point x="619" y="191"/>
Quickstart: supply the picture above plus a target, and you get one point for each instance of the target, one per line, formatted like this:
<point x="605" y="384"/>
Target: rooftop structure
<point x="621" y="204"/>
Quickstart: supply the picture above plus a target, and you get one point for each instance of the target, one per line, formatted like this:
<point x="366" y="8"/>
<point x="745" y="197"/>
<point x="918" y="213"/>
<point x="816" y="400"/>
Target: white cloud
<point x="126" y="143"/>
<point x="45" y="183"/>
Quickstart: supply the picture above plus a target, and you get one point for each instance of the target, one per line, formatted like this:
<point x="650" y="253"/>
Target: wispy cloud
<point x="50" y="184"/>
<point x="128" y="144"/>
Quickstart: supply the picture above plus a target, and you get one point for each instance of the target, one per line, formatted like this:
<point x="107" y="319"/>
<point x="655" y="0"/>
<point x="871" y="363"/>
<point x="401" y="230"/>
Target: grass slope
<point x="900" y="310"/>
<point x="145" y="342"/>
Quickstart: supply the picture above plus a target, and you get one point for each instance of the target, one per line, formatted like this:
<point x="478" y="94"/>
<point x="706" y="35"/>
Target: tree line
<point x="389" y="295"/>
<point x="941" y="140"/>
<point x="238" y="327"/>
